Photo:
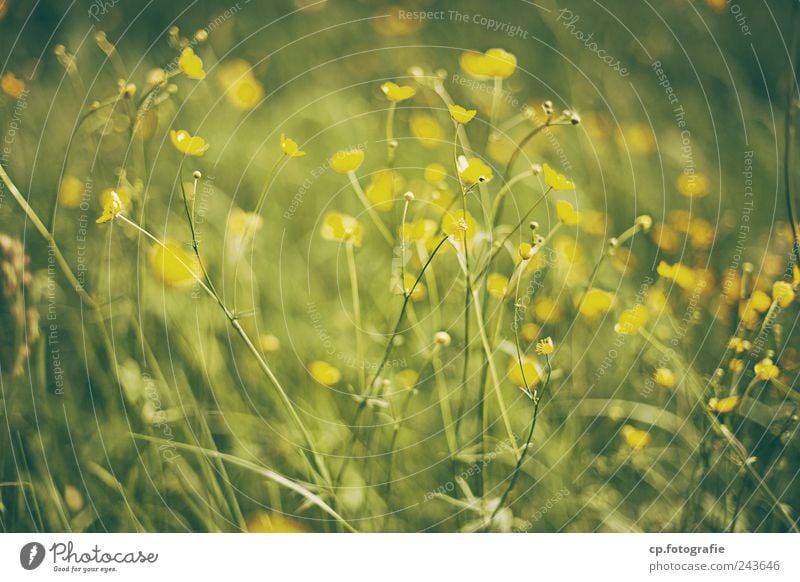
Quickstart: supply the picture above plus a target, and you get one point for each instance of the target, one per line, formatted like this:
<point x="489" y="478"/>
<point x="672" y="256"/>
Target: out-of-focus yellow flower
<point x="547" y="310"/>
<point x="635" y="438"/>
<point x="340" y="227"/>
<point x="435" y="174"/>
<point x="665" y="238"/>
<point x="112" y="207"/>
<point x="701" y="234"/>
<point x="497" y="285"/>
<point x="418" y="230"/>
<point x="736" y="365"/>
<point x="664" y="377"/>
<point x="290" y="148"/>
<point x="594" y="222"/>
<point x="191" y="65"/>
<point x="783" y="293"/>
<point x="407" y="378"/>
<point x="239" y="85"/>
<point x="345" y="161"/>
<point x="461" y="115"/>
<point x="187" y="144"/>
<point x="442" y="198"/>
<point x="631" y="320"/>
<point x="324" y="373"/>
<point x="270" y="522"/>
<point x="173" y="265"/>
<point x="545" y="346"/>
<point x="680" y="220"/>
<point x="638" y="137"/>
<point x="269" y="343"/>
<point x="760" y="301"/>
<point x="11" y="85"/>
<point x="121" y="194"/>
<point x="555" y="180"/>
<point x="530" y="369"/>
<point x="242" y="223"/>
<point x="567" y="214"/>
<point x="426" y="129"/>
<point x="683" y="276"/>
<point x="382" y="188"/>
<point x="595" y="303"/>
<point x="397" y="93"/>
<point x="420" y="291"/>
<point x="739" y="345"/>
<point x="766" y="369"/>
<point x="474" y="171"/>
<point x="693" y="185"/>
<point x="494" y="63"/>
<point x="723" y="405"/>
<point x="455" y="222"/>
<point x="70" y="192"/>
<point x="530" y="331"/>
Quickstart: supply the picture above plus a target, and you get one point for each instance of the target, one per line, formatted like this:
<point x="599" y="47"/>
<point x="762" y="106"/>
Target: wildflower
<point x="456" y="221"/>
<point x="340" y="227"/>
<point x="766" y="369"/>
<point x="736" y="365"/>
<point x="555" y="180"/>
<point x="381" y="190"/>
<point x="420" y="292"/>
<point x="240" y="86"/>
<point x="191" y="65"/>
<point x="664" y="377"/>
<point x="547" y="310"/>
<point x="594" y="222"/>
<point x="530" y="331"/>
<point x="407" y="378"/>
<point x="473" y="171"/>
<point x="11" y="85"/>
<point x="345" y="161"/>
<point x="418" y="230"/>
<point x="738" y="344"/>
<point x="435" y="173"/>
<point x="461" y="115"/>
<point x="112" y="207"/>
<point x="528" y="374"/>
<point x="525" y="251"/>
<point x="173" y="265"/>
<point x="70" y="192"/>
<point x="683" y="276"/>
<point x="631" y="320"/>
<point x="271" y="522"/>
<point x="760" y="301"/>
<point x="442" y="338"/>
<point x="242" y="223"/>
<point x="595" y="303"/>
<point x="324" y="373"/>
<point x="545" y="347"/>
<point x="187" y="144"/>
<point x="493" y="64"/>
<point x="269" y="343"/>
<point x="693" y="185"/>
<point x="426" y="129"/>
<point x="290" y="148"/>
<point x="396" y="93"/>
<point x="497" y="285"/>
<point x="635" y="438"/>
<point x="723" y="405"/>
<point x="567" y="214"/>
<point x="783" y="293"/>
<point x="701" y="234"/>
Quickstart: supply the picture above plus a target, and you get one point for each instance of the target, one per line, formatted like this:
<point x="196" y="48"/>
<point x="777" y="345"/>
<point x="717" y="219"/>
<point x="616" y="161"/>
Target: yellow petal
<point x="191" y="65"/>
<point x="476" y="171"/>
<point x="187" y="144"/>
<point x="555" y="180"/>
<point x="461" y="115"/>
<point x="397" y="93"/>
<point x="567" y="214"/>
<point x="340" y="227"/>
<point x="324" y="373"/>
<point x="345" y="161"/>
<point x="290" y="147"/>
<point x="173" y="265"/>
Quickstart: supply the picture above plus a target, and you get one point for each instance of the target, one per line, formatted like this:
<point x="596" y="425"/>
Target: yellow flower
<point x="397" y="93"/>
<point x="382" y="188"/>
<point x="545" y="347"/>
<point x="271" y="522"/>
<point x="738" y="344"/>
<point x="290" y="148"/>
<point x="455" y="222"/>
<point x="701" y="234"/>
<point x="635" y="438"/>
<point x="474" y="171"/>
<point x="555" y="180"/>
<point x="112" y="206"/>
<point x="426" y="129"/>
<point x="70" y="192"/>
<point x="324" y="373"/>
<point x="242" y="223"/>
<point x="631" y="320"/>
<point x="173" y="265"/>
<point x="420" y="292"/>
<point x="187" y="144"/>
<point x="530" y="331"/>
<point x="693" y="185"/>
<point x="723" y="405"/>
<point x="191" y="65"/>
<point x="665" y="238"/>
<point x="435" y="174"/>
<point x="760" y="301"/>
<point x="530" y="369"/>
<point x="497" y="285"/>
<point x="240" y="86"/>
<point x="345" y="161"/>
<point x="418" y="230"/>
<point x="269" y="343"/>
<point x="567" y="214"/>
<point x="683" y="276"/>
<point x="736" y="365"/>
<point x="12" y="86"/>
<point x="494" y="63"/>
<point x="407" y="378"/>
<point x="783" y="293"/>
<point x="461" y="115"/>
<point x="547" y="310"/>
<point x="340" y="227"/>
<point x="664" y="377"/>
<point x="595" y="303"/>
<point x="766" y="369"/>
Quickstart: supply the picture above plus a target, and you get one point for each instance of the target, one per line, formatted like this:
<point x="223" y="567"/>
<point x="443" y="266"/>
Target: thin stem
<point x="391" y="146"/>
<point x="351" y="267"/>
<point x="370" y="209"/>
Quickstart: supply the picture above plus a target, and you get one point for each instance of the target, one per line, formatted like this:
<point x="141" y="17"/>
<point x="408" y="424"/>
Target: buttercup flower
<point x="635" y="438"/>
<point x="760" y="301"/>
<point x="426" y="129"/>
<point x="766" y="369"/>
<point x="497" y="285"/>
<point x="397" y="93"/>
<point x="595" y="303"/>
<point x="783" y="293"/>
<point x="324" y="373"/>
<point x="455" y="222"/>
<point x="530" y="331"/>
<point x="555" y="180"/>
<point x="494" y="63"/>
<point x="11" y="85"/>
<point x="683" y="276"/>
<point x="435" y="173"/>
<point x="664" y="377"/>
<point x="545" y="347"/>
<point x="547" y="310"/>
<point x="693" y="185"/>
<point x="381" y="190"/>
<point x="70" y="192"/>
<point x="530" y="369"/>
<point x="406" y="378"/>
<point x="723" y="405"/>
<point x="631" y="320"/>
<point x="269" y="343"/>
<point x="567" y="214"/>
<point x="340" y="227"/>
<point x="173" y="265"/>
<point x="474" y="170"/>
<point x="240" y="86"/>
<point x="290" y="148"/>
<point x="191" y="65"/>
<point x="112" y="207"/>
<point x="461" y="115"/>
<point x="187" y="144"/>
<point x="345" y="161"/>
<point x="420" y="292"/>
<point x="418" y="230"/>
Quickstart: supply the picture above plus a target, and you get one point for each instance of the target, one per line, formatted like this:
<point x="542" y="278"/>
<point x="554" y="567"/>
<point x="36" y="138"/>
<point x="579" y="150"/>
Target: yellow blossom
<point x="475" y="170"/>
<point x="191" y="65"/>
<point x="397" y="93"/>
<point x="683" y="276"/>
<point x="70" y="192"/>
<point x="187" y="144"/>
<point x="455" y="222"/>
<point x="547" y="310"/>
<point x="497" y="285"/>
<point x="268" y="343"/>
<point x="723" y="405"/>
<point x="631" y="320"/>
<point x="494" y="63"/>
<point x="382" y="188"/>
<point x="530" y="369"/>
<point x="595" y="303"/>
<point x="665" y="238"/>
<point x="783" y="293"/>
<point x="324" y="373"/>
<point x="112" y="207"/>
<point x="461" y="115"/>
<point x="555" y="180"/>
<point x="664" y="377"/>
<point x="766" y="369"/>
<point x="435" y="173"/>
<point x="420" y="292"/>
<point x="760" y="301"/>
<point x="340" y="227"/>
<point x="530" y="331"/>
<point x="426" y="129"/>
<point x="418" y="230"/>
<point x="272" y="522"/>
<point x="242" y="223"/>
<point x="173" y="265"/>
<point x="635" y="438"/>
<point x="693" y="185"/>
<point x="407" y="378"/>
<point x="345" y="161"/>
<point x="567" y="214"/>
<point x="290" y="148"/>
<point x="736" y="365"/>
<point x="545" y="346"/>
<point x="12" y="86"/>
<point x="240" y="86"/>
